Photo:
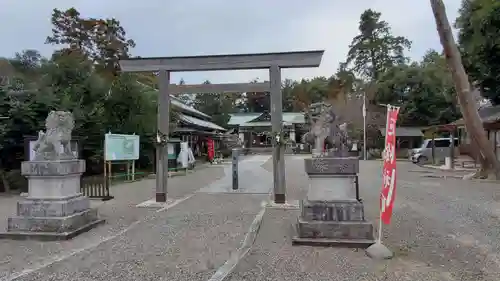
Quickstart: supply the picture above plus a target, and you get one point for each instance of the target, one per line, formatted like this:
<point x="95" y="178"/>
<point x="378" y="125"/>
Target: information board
<point x="121" y="147"/>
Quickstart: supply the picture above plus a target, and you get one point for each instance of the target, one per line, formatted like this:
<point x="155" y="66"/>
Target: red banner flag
<point x="388" y="193"/>
<point x="210" y="148"/>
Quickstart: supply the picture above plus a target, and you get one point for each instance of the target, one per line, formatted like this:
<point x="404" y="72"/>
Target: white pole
<point x="379" y="238"/>
<point x="364" y="126"/>
<point x="133" y="170"/>
<point x="383" y="159"/>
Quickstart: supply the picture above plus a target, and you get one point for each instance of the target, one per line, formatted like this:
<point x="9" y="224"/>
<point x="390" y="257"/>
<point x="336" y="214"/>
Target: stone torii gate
<point x="272" y="61"/>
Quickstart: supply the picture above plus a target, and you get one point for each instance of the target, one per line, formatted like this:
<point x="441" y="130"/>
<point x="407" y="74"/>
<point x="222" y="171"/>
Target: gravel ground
<point x="434" y="172"/>
<point x="188" y="242"/>
<point x="441" y="230"/>
<point x="120" y="213"/>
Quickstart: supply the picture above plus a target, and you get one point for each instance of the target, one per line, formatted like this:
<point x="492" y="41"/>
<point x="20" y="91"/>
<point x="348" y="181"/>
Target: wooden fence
<point x="96" y="187"/>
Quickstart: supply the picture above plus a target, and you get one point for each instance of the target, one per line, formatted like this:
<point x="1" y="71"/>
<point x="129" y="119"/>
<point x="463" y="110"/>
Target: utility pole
<point x="364" y="126"/>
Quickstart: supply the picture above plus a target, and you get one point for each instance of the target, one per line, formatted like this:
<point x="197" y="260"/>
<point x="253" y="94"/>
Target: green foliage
<point x="424" y="91"/>
<point x="81" y="78"/>
<point x="4" y="111"/>
<point x="375" y="49"/>
<point x="254" y="101"/>
<point x="479" y="40"/>
<point x="101" y="40"/>
<point x="217" y="105"/>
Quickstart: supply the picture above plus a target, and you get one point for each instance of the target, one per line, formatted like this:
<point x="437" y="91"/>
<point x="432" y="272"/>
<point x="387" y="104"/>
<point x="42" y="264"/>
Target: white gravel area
<point x="441" y="230"/>
<point x="188" y="242"/>
<point x="120" y="214"/>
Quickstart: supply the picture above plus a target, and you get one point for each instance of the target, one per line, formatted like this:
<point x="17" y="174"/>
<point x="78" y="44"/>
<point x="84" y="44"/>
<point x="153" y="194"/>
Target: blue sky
<point x="197" y="27"/>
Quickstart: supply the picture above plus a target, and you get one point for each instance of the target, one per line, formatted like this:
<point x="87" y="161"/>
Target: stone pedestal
<point x="331" y="215"/>
<point x="54" y="208"/>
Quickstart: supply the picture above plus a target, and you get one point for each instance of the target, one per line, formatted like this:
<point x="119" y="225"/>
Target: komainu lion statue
<point x="326" y="130"/>
<point x="55" y="142"/>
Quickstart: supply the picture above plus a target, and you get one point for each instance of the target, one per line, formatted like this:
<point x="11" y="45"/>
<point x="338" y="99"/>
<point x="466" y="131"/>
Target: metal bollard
<point x="235" y="155"/>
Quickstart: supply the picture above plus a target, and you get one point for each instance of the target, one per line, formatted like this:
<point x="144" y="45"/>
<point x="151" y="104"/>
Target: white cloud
<point x="195" y="27"/>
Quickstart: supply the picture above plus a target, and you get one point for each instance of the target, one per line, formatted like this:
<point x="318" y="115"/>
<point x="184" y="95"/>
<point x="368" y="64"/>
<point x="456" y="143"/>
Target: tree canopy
<point x="375" y="48"/>
<point x="479" y="40"/>
<point x="83" y="76"/>
<point x="423" y="89"/>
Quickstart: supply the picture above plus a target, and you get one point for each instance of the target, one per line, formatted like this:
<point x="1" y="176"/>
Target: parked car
<point x="423" y="154"/>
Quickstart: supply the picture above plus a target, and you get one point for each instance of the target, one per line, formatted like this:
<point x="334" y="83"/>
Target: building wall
<point x="493" y="134"/>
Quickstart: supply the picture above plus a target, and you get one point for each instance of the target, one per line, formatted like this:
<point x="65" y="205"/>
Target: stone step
<point x="342" y="210"/>
<point x="352" y="230"/>
<point x="325" y="242"/>
<point x="50" y="236"/>
<point x="57" y="207"/>
<point x="52" y="224"/>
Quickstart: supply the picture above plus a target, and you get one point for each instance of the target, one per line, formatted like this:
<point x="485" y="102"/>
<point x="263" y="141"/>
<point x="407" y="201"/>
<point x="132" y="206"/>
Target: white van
<point x="423" y="154"/>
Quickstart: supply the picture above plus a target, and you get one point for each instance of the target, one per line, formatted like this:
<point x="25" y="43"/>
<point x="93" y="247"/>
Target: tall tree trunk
<point x="473" y="124"/>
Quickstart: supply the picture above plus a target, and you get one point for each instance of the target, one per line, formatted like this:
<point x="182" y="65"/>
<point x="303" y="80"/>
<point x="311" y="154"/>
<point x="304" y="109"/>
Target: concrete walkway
<point x="253" y="179"/>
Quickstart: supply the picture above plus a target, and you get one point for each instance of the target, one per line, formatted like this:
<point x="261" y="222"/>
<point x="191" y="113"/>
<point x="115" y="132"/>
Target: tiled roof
<point x="198" y="122"/>
<point x="288" y="118"/>
<point x="262" y="124"/>
<point x="488" y="114"/>
<point x="405" y="132"/>
<point x="294" y="117"/>
<point x="178" y="103"/>
<point x="240" y="118"/>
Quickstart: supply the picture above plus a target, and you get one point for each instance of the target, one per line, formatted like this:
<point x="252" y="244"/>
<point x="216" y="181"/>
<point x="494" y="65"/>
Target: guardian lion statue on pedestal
<point x="55" y="142"/>
<point x="326" y="130"/>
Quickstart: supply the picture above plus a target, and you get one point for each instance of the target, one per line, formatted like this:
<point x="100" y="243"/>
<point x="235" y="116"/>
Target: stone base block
<point x="331" y="187"/>
<point x="50" y="236"/>
<point x="352" y="230"/>
<point x="52" y="224"/>
<point x="328" y="242"/>
<point x="31" y="207"/>
<point x="345" y="210"/>
<point x="53" y="179"/>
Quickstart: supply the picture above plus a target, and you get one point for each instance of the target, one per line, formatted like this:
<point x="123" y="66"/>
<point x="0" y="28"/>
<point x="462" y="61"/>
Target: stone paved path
<point x="253" y="179"/>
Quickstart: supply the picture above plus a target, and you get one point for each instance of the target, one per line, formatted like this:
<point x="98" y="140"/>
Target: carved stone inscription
<point x="331" y="166"/>
<point x="49" y="168"/>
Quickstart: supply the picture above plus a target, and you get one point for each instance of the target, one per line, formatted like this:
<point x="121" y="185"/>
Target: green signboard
<point x="121" y="147"/>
